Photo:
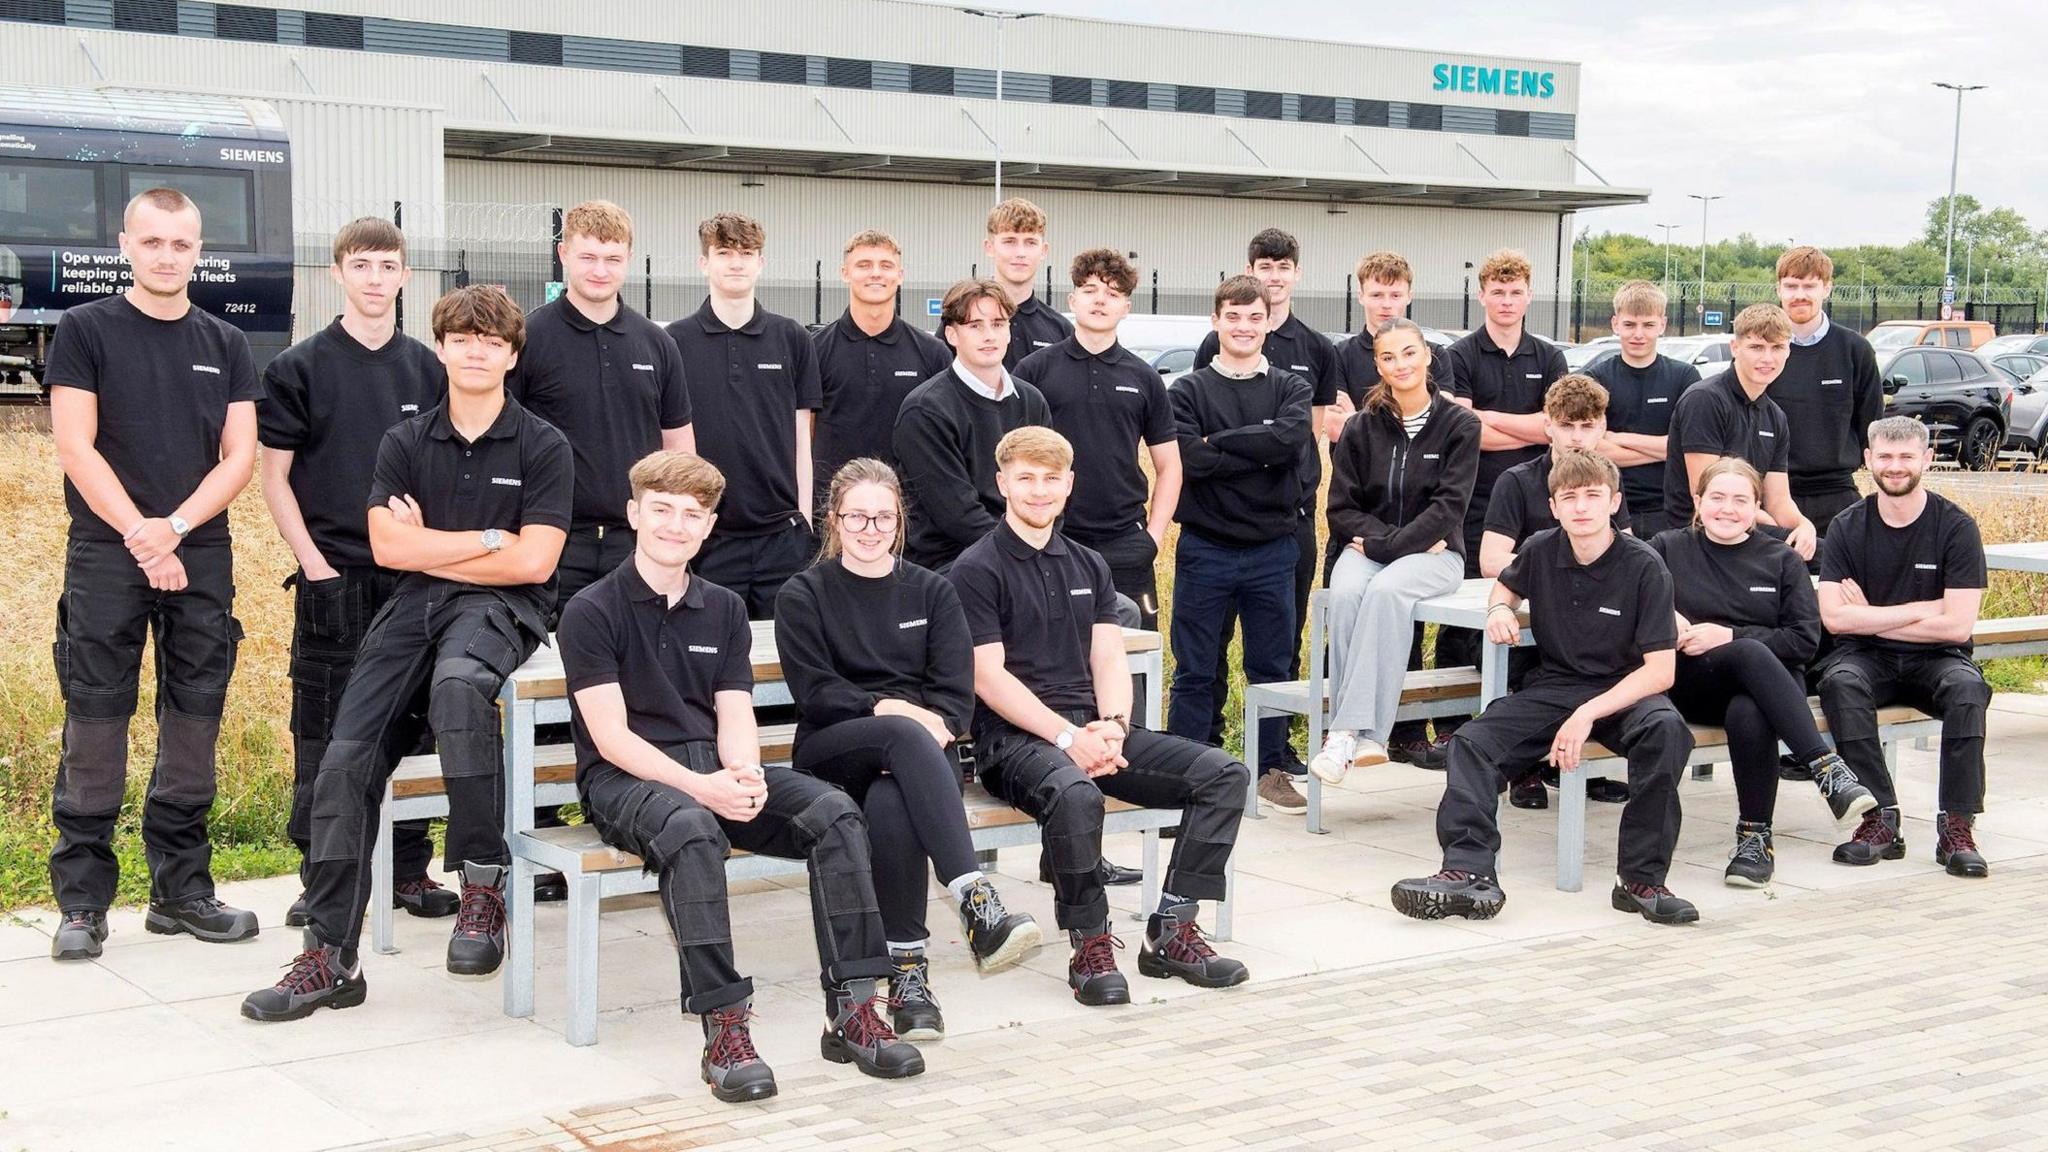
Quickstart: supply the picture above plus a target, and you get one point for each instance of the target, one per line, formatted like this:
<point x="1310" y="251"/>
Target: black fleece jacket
<point x="1401" y="496"/>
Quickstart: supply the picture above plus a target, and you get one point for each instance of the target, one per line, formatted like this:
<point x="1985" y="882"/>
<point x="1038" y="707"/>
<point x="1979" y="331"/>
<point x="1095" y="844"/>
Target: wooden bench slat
<point x="419" y="776"/>
<point x="1705" y="736"/>
<point x="2011" y="630"/>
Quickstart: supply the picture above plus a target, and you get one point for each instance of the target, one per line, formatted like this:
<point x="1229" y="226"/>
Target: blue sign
<point x="931" y="305"/>
<point x="1482" y="81"/>
<point x="1713" y="320"/>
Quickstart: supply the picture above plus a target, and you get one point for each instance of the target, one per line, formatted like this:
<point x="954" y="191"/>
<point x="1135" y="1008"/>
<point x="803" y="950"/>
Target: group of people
<point x="950" y="534"/>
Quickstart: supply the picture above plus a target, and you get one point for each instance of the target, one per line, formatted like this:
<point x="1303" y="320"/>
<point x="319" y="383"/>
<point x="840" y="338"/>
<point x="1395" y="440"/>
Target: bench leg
<point x="1251" y="761"/>
<point x="1153" y="882"/>
<point x="1315" y="804"/>
<point x="1228" y="904"/>
<point x="381" y="882"/>
<point x="519" y="941"/>
<point x="985" y="859"/>
<point x="584" y="892"/>
<point x="1703" y="771"/>
<point x="1155" y="674"/>
<point x="1571" y="830"/>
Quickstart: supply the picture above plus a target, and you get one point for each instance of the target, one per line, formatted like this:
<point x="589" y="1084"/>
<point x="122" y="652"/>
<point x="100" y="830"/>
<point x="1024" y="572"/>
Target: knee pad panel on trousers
<point x="838" y="851"/>
<point x="92" y="771"/>
<point x="673" y="832"/>
<point x="1844" y="684"/>
<point x="341" y="799"/>
<point x="1220" y="779"/>
<point x="462" y="710"/>
<point x="1962" y="696"/>
<point x="1073" y="825"/>
<point x="186" y="747"/>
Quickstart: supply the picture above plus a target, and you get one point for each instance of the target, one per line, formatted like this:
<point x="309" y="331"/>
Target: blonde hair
<point x="678" y="474"/>
<point x="601" y="220"/>
<point x="1767" y="322"/>
<point x="1035" y="444"/>
<point x="851" y="475"/>
<point x="1640" y="298"/>
<point x="1016" y="215"/>
<point x="1385" y="268"/>
<point x="872" y="238"/>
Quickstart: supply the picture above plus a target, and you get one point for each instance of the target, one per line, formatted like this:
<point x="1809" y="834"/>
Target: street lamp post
<point x="1667" y="254"/>
<point x="1955" y="153"/>
<point x="1704" y="201"/>
<point x="1001" y="19"/>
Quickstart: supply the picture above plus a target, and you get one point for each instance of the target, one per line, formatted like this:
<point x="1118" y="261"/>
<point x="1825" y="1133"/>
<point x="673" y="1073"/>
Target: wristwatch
<point x="1065" y="739"/>
<point x="180" y="525"/>
<point x="493" y="539"/>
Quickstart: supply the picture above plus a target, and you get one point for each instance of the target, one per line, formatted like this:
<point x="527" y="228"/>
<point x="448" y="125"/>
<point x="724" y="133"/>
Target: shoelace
<point x="1749" y="846"/>
<point x="1873" y="830"/>
<point x="865" y="1028"/>
<point x="986" y="906"/>
<point x="1835" y="778"/>
<point x="1097" y="954"/>
<point x="1452" y="875"/>
<point x="1648" y="891"/>
<point x="78" y="919"/>
<point x="907" y="984"/>
<point x="1959" y="834"/>
<point x="419" y="887"/>
<point x="483" y="911"/>
<point x="731" y="1043"/>
<point x="309" y="973"/>
<point x="1187" y="944"/>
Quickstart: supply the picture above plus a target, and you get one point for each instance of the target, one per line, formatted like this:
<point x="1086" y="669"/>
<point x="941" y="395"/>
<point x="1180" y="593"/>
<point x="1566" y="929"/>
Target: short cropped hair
<point x="601" y="220"/>
<point x="1806" y="261"/>
<point x="1505" y="265"/>
<point x="160" y="198"/>
<point x="480" y="310"/>
<point x="1578" y="469"/>
<point x="961" y="298"/>
<point x="731" y="230"/>
<point x="1016" y="215"/>
<point x="1640" y="298"/>
<point x="1035" y="444"/>
<point x="1272" y="244"/>
<point x="368" y="234"/>
<point x="872" y="238"/>
<point x="1766" y="322"/>
<point x="677" y="474"/>
<point x="1385" y="268"/>
<point x="1575" y="398"/>
<point x="1240" y="290"/>
<point x="1899" y="430"/>
<point x="1107" y="264"/>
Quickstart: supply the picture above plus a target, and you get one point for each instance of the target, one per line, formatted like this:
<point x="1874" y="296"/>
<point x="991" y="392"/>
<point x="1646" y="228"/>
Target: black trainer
<point x="477" y="946"/>
<point x="550" y="888"/>
<point x="856" y="1035"/>
<point x="1092" y="972"/>
<point x="1791" y="767"/>
<point x="1450" y="893"/>
<point x="1754" y="858"/>
<point x="422" y="897"/>
<point x="79" y="936"/>
<point x="1112" y="875"/>
<point x="1602" y="790"/>
<point x="1527" y="791"/>
<point x="300" y="913"/>
<point x="1418" y="752"/>
<point x="1174" y="947"/>
<point x="1955" y="845"/>
<point x="1846" y="798"/>
<point x="1877" y="838"/>
<point x="730" y="1065"/>
<point x="914" y="1011"/>
<point x="317" y="979"/>
<point x="1655" y="903"/>
<point x="998" y="937"/>
<point x="203" y="917"/>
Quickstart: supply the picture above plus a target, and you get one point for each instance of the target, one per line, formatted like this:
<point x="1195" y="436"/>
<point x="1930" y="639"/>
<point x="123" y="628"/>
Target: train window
<point x="45" y="201"/>
<point x="223" y="197"/>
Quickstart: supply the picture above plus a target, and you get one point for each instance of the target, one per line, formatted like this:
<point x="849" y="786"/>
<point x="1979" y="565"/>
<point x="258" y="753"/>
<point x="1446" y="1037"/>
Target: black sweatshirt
<point x="1400" y="495"/>
<point x="1758" y="588"/>
<point x="1830" y="392"/>
<point x="1295" y="347"/>
<point x="946" y="436"/>
<point x="1240" y="452"/>
<point x="897" y="637"/>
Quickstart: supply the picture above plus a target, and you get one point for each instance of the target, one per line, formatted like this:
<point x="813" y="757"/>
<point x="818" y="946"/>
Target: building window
<point x="843" y="73"/>
<point x="327" y="30"/>
<point x="1263" y="105"/>
<point x="931" y="79"/>
<point x="1510" y="122"/>
<point x="715" y="63"/>
<point x="1070" y="90"/>
<point x="1370" y="113"/>
<point x="535" y="48"/>
<point x="33" y="11"/>
<point x="146" y="16"/>
<point x="1128" y="93"/>
<point x="1426" y="117"/>
<point x="1191" y="98"/>
<point x="241" y="22"/>
<point x="784" y="68"/>
<point x="1319" y="109"/>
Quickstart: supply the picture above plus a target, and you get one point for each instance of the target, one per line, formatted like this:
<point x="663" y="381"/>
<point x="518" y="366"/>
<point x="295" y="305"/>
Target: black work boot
<point x="1602" y="790"/>
<point x="855" y="1035"/>
<point x="79" y="936"/>
<point x="1877" y="838"/>
<point x="1092" y="973"/>
<point x="915" y="1011"/>
<point x="1846" y="798"/>
<point x="424" y="898"/>
<point x="318" y="979"/>
<point x="203" y="917"/>
<point x="1754" y="859"/>
<point x="734" y="1070"/>
<point x="1654" y="902"/>
<point x="1417" y="751"/>
<point x="300" y="913"/>
<point x="998" y="937"/>
<point x="550" y="888"/>
<point x="1450" y="893"/>
<point x="1790" y="767"/>
<point x="1955" y="845"/>
<point x="1528" y="792"/>
<point x="1174" y="947"/>
<point x="477" y="946"/>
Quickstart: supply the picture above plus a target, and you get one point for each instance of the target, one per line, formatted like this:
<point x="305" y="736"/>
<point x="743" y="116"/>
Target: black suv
<point x="1965" y="403"/>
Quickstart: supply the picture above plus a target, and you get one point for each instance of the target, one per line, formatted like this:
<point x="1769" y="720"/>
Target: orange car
<point x="1931" y="333"/>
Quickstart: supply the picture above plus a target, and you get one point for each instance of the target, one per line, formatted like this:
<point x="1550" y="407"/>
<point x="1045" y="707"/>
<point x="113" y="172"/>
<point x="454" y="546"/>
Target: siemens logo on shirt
<point x="643" y="367"/>
<point x="1485" y="81"/>
<point x="705" y="649"/>
<point x="917" y="623"/>
<point x="207" y="368"/>
<point x="507" y="481"/>
<point x="1080" y="591"/>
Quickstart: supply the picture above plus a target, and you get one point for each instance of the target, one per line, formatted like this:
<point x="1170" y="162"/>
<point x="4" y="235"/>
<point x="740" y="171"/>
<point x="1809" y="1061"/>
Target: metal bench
<point x="2005" y="636"/>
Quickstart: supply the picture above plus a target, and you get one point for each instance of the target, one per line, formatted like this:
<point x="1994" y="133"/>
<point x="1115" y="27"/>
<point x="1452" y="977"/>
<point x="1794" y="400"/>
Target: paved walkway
<point x="1884" y="1007"/>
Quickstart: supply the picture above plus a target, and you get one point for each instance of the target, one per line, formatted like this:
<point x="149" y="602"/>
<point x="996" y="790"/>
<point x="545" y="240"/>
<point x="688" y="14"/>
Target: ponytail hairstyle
<point x="1725" y="466"/>
<point x="852" y="474"/>
<point x="1380" y="397"/>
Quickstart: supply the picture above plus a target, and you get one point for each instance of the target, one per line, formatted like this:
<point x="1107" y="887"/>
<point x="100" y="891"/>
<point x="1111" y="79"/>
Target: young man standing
<point x="1016" y="249"/>
<point x="668" y="763"/>
<point x="1053" y="733"/>
<point x="948" y="428"/>
<point x="753" y="387"/>
<point x="868" y="361"/>
<point x="1243" y="425"/>
<point x="1829" y="389"/>
<point x="1107" y="403"/>
<point x="327" y="402"/>
<point x="153" y="410"/>
<point x="1642" y="389"/>
<point x="1600" y="606"/>
<point x="1902" y="577"/>
<point x="472" y="502"/>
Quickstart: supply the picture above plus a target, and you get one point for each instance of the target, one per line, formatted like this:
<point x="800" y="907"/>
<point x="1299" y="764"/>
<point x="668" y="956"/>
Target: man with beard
<point x="1830" y="390"/>
<point x="1902" y="577"/>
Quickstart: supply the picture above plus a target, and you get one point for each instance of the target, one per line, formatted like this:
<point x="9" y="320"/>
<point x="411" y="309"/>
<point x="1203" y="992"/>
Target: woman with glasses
<point x="877" y="656"/>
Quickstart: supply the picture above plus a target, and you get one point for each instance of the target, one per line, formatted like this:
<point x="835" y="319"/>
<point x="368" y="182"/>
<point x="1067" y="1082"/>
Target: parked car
<point x="2020" y="364"/>
<point x="1171" y="363"/>
<point x="1931" y="333"/>
<point x="1964" y="401"/>
<point x="2037" y="343"/>
<point x="1708" y="353"/>
<point x="2028" y="429"/>
<point x="1580" y="357"/>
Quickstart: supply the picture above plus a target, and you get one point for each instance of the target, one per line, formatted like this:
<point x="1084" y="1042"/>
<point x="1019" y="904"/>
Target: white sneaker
<point x="1334" y="760"/>
<point x="1367" y="753"/>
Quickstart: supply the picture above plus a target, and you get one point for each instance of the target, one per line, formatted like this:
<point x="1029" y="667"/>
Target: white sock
<point x="959" y="885"/>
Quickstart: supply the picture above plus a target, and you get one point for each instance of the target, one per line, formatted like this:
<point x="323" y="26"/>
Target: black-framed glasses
<point x="862" y="522"/>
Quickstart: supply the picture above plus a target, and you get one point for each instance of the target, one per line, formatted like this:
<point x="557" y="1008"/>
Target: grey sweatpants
<point x="1372" y="616"/>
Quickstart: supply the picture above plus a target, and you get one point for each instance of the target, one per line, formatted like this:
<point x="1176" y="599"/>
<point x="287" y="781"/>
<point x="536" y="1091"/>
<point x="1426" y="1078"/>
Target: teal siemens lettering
<point x="1494" y="81"/>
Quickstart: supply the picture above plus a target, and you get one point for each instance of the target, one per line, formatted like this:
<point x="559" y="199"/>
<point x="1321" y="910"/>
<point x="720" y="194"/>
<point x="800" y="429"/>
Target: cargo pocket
<point x="322" y="607"/>
<point x="496" y="644"/>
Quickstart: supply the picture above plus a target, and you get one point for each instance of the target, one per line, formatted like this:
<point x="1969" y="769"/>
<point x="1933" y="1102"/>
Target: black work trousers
<point x="1517" y="730"/>
<point x="684" y="845"/>
<point x="459" y="643"/>
<point x="1164" y="772"/>
<point x="1129" y="555"/>
<point x="1742" y="687"/>
<point x="1857" y="680"/>
<point x="757" y="566"/>
<point x="589" y="553"/>
<point x="1461" y="647"/>
<point x="106" y="610"/>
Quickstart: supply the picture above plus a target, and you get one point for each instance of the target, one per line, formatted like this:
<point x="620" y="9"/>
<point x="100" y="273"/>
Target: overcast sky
<point x="1819" y="122"/>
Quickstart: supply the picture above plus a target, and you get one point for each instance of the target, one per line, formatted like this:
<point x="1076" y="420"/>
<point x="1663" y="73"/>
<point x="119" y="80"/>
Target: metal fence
<point x="1861" y="307"/>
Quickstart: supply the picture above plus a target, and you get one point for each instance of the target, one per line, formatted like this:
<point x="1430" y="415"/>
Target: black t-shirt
<point x="1640" y="400"/>
<point x="164" y="387"/>
<point x="862" y="382"/>
<point x="1358" y="370"/>
<point x="669" y="662"/>
<point x="1106" y="406"/>
<point x="1297" y="348"/>
<point x="612" y="388"/>
<point x="1520" y="507"/>
<point x="1757" y="587"/>
<point x="518" y="473"/>
<point x="1042" y="606"/>
<point x="1494" y="379"/>
<point x="1717" y="416"/>
<point x="946" y="437"/>
<point x="1939" y="550"/>
<point x="1831" y="393"/>
<point x="328" y="400"/>
<point x="746" y="386"/>
<point x="1593" y="622"/>
<point x="848" y="641"/>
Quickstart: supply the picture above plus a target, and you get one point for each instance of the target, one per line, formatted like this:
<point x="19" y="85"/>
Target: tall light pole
<point x="1001" y="19"/>
<point x="1667" y="253"/>
<point x="1704" y="201"/>
<point x="1955" y="154"/>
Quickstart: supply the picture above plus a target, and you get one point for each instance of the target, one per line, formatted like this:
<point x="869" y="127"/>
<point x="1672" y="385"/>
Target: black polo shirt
<point x="1520" y="507"/>
<point x="328" y="400"/>
<point x="1593" y="622"/>
<point x="1939" y="550"/>
<point x="1640" y="400"/>
<point x="1106" y="406"/>
<point x="1036" y="325"/>
<point x="1717" y="416"/>
<point x="1494" y="379"/>
<point x="1358" y="370"/>
<point x="746" y="385"/>
<point x="1295" y="347"/>
<point x="517" y="474"/>
<point x="669" y="662"/>
<point x="612" y="388"/>
<point x="1042" y="606"/>
<point x="862" y="382"/>
<point x="164" y="387"/>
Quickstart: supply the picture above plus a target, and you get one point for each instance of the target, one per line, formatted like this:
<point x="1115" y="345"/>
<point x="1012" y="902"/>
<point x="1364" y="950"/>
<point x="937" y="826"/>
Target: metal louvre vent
<point x="536" y="48"/>
<point x="784" y="68"/>
<point x="327" y="30"/>
<point x="712" y="62"/>
<point x="146" y="16"/>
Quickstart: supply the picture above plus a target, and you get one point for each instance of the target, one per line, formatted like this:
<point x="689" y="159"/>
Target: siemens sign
<point x="1493" y="81"/>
